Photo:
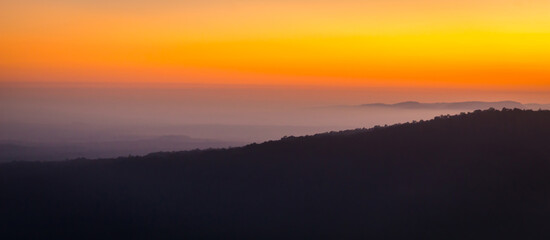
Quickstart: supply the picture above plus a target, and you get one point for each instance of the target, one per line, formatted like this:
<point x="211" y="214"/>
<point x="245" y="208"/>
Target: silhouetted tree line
<point x="480" y="175"/>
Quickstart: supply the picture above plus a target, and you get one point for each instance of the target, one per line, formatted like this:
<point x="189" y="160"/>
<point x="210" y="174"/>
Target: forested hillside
<point x="478" y="175"/>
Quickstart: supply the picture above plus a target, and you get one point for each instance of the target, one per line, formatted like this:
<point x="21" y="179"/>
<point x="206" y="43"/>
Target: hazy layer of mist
<point x="108" y="122"/>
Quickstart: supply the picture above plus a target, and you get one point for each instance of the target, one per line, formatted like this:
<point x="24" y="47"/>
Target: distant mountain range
<point x="470" y="105"/>
<point x="57" y="151"/>
<point x="481" y="175"/>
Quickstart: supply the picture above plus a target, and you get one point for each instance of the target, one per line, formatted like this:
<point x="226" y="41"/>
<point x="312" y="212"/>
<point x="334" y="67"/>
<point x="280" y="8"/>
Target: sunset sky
<point x="256" y="70"/>
<point x="481" y="45"/>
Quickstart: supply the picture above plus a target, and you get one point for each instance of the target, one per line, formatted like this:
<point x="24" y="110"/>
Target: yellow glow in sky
<point x="475" y="44"/>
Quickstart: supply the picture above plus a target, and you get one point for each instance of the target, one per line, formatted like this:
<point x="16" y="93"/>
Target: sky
<point x="480" y="45"/>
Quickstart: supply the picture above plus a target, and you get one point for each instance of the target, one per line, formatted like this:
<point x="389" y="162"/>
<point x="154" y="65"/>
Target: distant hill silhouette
<point x="482" y="175"/>
<point x="472" y="105"/>
<point x="30" y="151"/>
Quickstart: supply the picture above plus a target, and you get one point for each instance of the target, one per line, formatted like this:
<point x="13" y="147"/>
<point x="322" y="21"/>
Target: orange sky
<point x="476" y="44"/>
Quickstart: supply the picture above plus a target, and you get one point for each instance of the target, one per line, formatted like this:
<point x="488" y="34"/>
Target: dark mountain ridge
<point x="58" y="151"/>
<point x="477" y="175"/>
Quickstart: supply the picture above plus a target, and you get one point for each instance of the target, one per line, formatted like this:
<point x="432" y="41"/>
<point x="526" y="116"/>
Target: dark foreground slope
<point x="480" y="175"/>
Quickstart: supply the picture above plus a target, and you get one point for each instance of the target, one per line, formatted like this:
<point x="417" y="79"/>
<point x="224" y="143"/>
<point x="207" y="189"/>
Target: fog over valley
<point x="60" y="123"/>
